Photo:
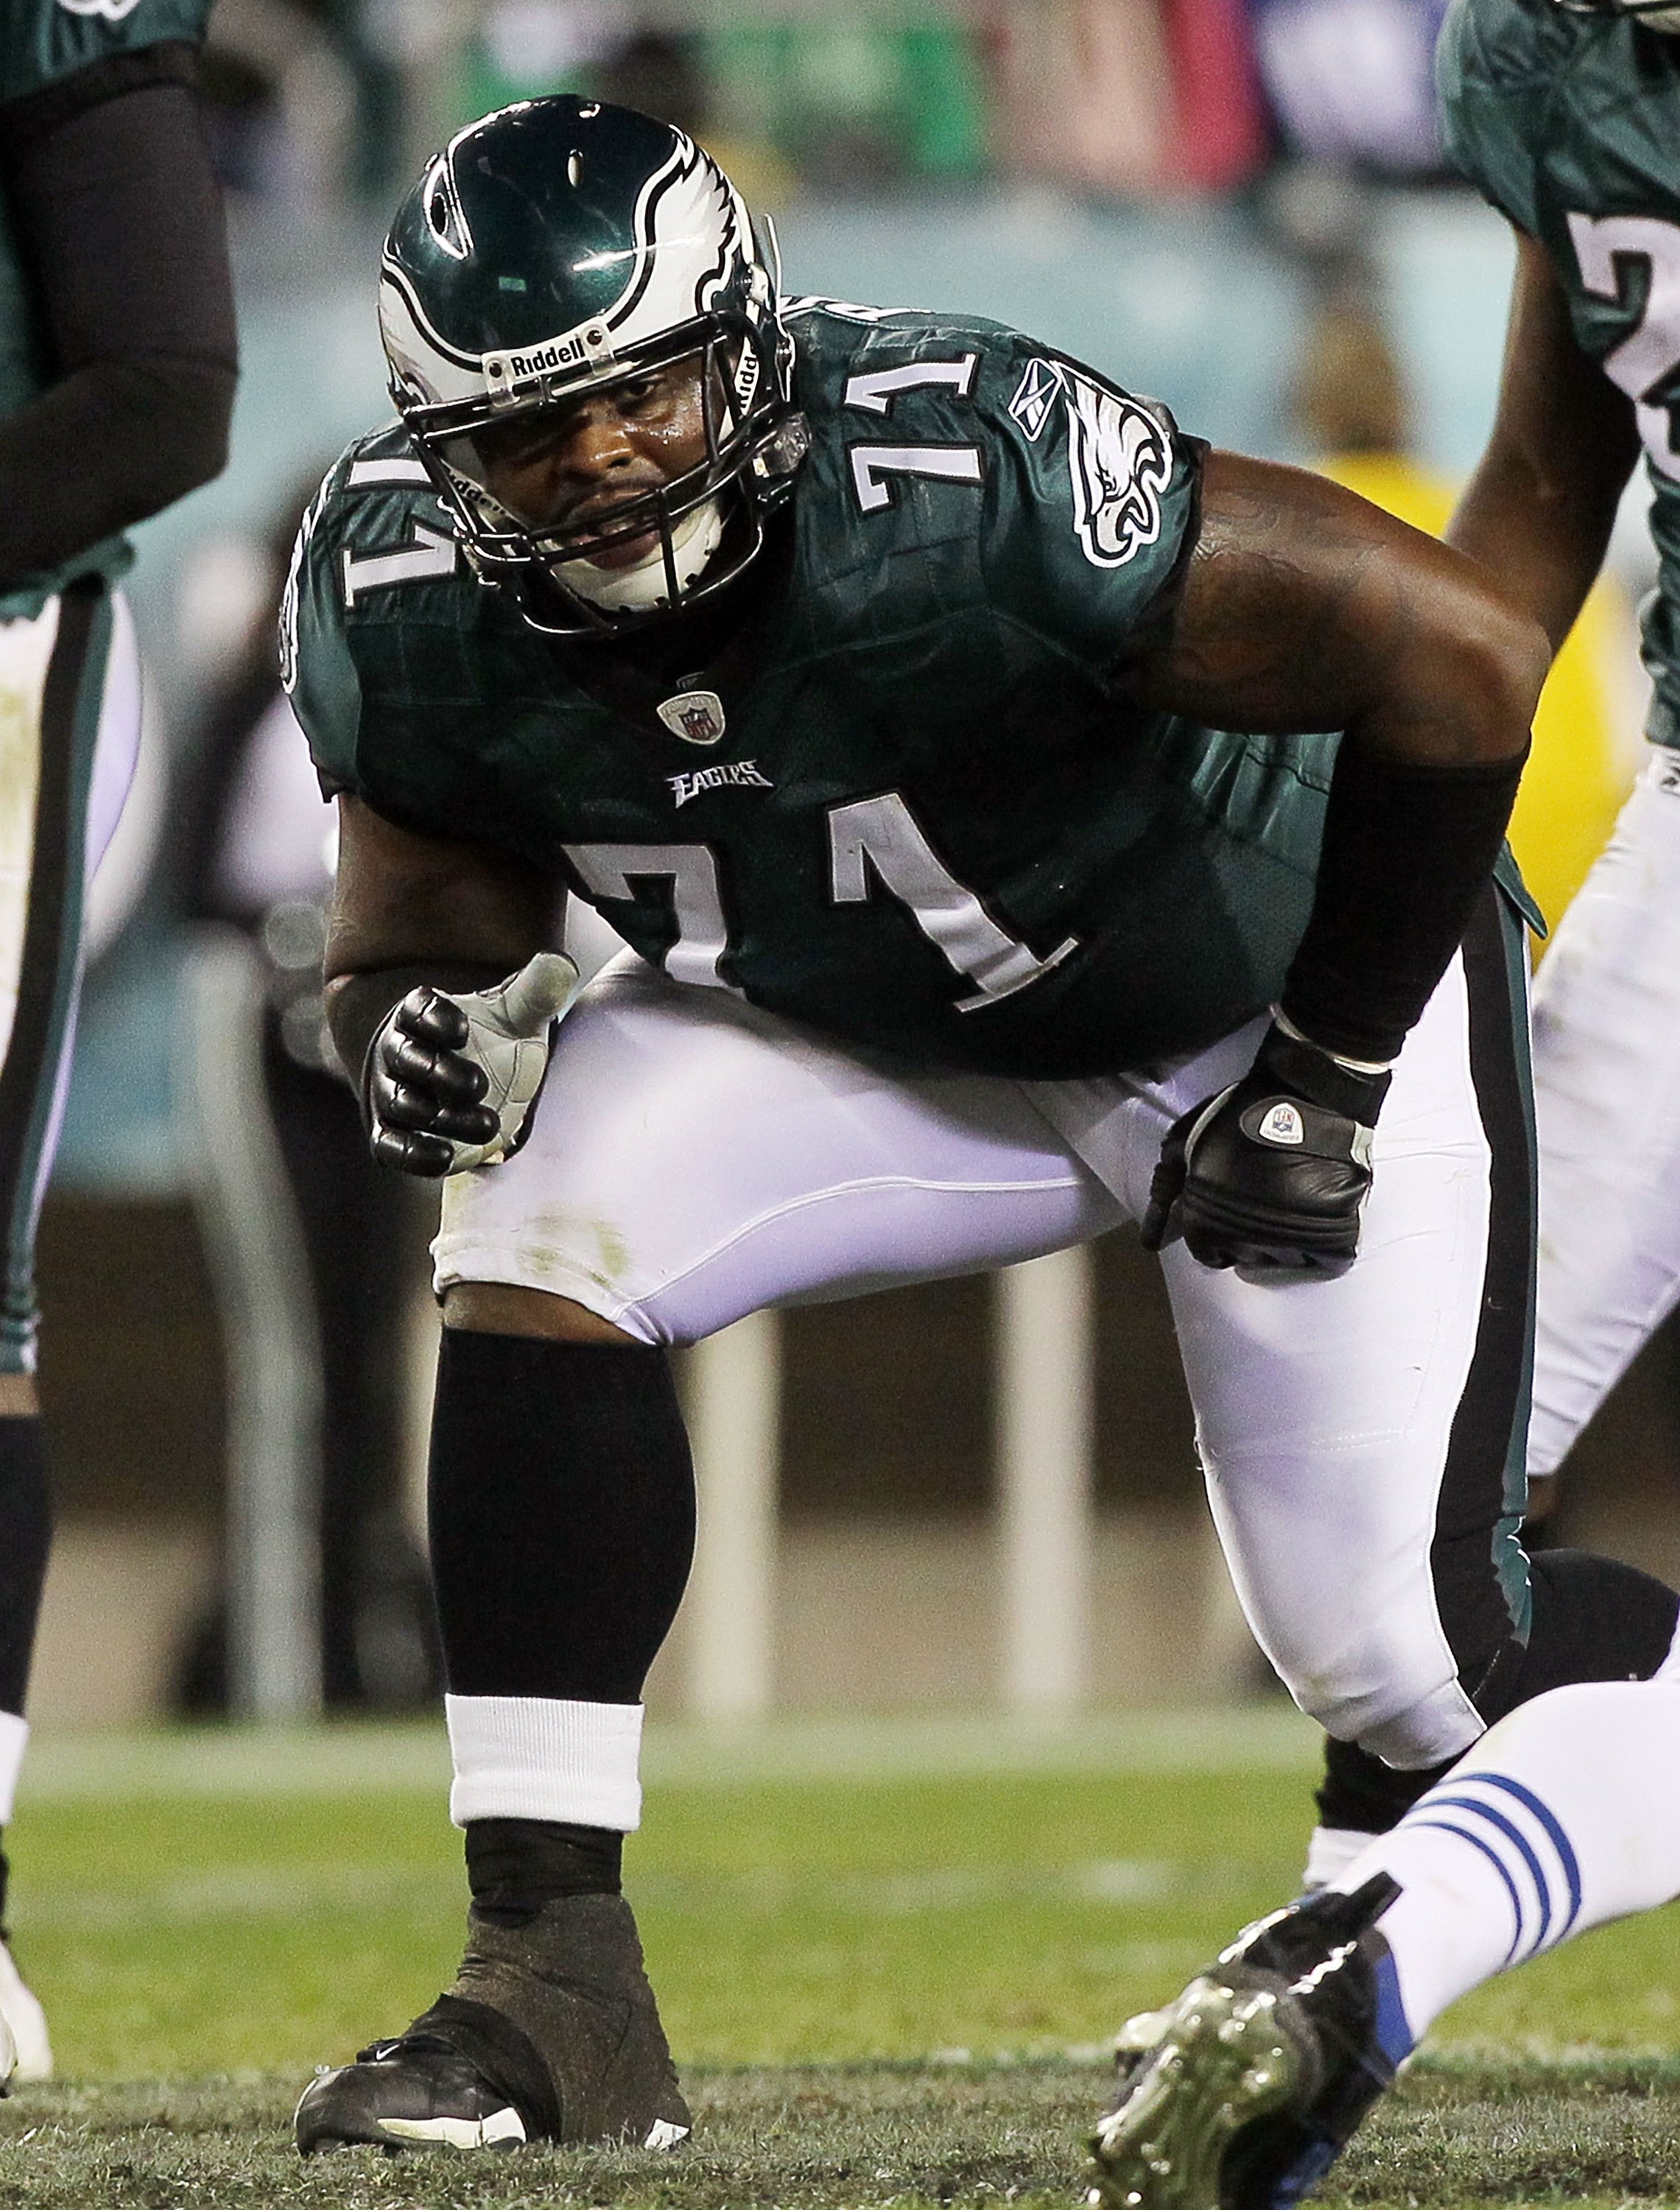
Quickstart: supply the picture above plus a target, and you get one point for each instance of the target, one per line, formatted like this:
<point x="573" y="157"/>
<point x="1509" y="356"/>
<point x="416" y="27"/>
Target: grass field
<point x="889" y="1959"/>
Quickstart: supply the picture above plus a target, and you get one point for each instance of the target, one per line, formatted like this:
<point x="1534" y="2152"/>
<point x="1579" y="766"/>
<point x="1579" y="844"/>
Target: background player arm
<point x="119" y="220"/>
<point x="440" y="993"/>
<point x="1540" y="508"/>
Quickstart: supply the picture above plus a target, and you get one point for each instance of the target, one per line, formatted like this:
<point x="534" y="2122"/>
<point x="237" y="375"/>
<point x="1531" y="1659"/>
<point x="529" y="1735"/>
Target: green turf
<point x="888" y="1963"/>
<point x="841" y="2138"/>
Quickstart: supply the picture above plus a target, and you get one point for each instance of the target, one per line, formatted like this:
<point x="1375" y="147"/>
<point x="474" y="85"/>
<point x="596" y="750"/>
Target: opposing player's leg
<point x="1607" y="1101"/>
<point x="1565" y="1815"/>
<point x="1363" y="1437"/>
<point x="691" y="1160"/>
<point x="70" y="731"/>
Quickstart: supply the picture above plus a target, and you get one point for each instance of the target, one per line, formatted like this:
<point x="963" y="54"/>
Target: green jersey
<point x="42" y="43"/>
<point x="1570" y="124"/>
<point x="912" y="803"/>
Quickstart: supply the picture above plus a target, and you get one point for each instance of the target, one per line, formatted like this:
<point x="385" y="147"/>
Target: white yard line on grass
<point x="349" y="1758"/>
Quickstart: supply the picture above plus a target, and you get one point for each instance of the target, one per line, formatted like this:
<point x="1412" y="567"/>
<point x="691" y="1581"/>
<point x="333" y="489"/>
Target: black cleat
<point x="1267" y="2062"/>
<point x="550" y="2032"/>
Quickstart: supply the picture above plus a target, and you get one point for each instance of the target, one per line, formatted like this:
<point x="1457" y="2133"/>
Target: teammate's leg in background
<point x="1607" y="1102"/>
<point x="26" y="1536"/>
<point x="1562" y="1816"/>
<point x="72" y="672"/>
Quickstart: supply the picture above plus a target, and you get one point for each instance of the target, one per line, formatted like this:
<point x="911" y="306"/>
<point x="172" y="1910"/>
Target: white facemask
<point x="692" y="542"/>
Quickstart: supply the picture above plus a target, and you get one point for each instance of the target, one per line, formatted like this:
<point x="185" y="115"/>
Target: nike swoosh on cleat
<point x="502" y="2129"/>
<point x="662" y="2133"/>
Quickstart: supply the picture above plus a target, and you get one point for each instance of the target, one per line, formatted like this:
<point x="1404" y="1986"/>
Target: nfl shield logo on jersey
<point x="694" y="715"/>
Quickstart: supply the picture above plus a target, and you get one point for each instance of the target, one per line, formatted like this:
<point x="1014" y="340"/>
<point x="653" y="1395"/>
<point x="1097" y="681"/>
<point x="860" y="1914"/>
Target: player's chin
<point x="613" y="555"/>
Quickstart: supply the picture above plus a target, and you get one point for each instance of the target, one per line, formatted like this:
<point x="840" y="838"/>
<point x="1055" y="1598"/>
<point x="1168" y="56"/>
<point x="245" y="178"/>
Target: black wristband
<point x="1306" y="1070"/>
<point x="1406" y="852"/>
<point x="358" y="1004"/>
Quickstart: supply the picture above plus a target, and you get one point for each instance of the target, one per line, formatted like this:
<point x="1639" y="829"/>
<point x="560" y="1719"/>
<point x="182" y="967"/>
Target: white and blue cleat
<point x="1243" y="2093"/>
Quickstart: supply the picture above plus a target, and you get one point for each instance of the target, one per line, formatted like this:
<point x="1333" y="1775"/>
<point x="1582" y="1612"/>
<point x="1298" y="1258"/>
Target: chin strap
<point x="694" y="540"/>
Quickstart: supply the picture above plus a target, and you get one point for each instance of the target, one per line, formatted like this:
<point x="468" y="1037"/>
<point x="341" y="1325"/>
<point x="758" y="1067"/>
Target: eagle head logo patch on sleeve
<point x="1121" y="465"/>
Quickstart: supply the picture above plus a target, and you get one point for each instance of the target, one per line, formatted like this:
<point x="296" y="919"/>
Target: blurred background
<point x="964" y="1496"/>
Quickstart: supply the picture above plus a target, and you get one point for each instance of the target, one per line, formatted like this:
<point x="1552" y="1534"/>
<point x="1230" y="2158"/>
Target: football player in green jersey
<point x="116" y="373"/>
<point x="1569" y="121"/>
<point x="1568" y="117"/>
<point x="873" y="672"/>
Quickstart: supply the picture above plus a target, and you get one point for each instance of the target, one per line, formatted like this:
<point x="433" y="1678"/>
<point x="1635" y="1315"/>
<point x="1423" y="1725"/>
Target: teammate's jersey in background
<point x="933" y="822"/>
<point x="43" y="43"/>
<point x="1570" y="124"/>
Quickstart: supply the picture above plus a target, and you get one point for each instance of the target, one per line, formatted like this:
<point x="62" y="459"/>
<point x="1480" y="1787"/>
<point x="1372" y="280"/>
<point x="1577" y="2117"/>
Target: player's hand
<point x="451" y="1077"/>
<point x="1270" y="1174"/>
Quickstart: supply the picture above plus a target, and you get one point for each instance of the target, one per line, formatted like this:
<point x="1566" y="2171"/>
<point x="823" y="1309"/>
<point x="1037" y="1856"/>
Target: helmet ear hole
<point x="444" y="213"/>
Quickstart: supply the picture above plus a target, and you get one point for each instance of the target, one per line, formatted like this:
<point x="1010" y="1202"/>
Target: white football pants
<point x="1607" y="1104"/>
<point x="693" y="1159"/>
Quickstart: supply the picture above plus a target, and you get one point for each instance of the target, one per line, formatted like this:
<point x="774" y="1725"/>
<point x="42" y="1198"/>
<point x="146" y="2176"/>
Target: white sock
<point x="1565" y="1815"/>
<point x="538" y="1757"/>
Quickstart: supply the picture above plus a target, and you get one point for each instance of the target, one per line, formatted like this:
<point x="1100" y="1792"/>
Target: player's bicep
<point x="401" y="897"/>
<point x="1303" y="607"/>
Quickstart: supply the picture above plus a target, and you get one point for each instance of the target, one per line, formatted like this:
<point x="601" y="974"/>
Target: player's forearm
<point x="112" y="443"/>
<point x="1538" y="512"/>
<point x="1406" y="856"/>
<point x="1424" y="787"/>
<point x="449" y="911"/>
<point x="1540" y="532"/>
<point x="109" y="188"/>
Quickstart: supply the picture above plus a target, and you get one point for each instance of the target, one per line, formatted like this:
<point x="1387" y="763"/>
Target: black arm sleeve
<point x="1406" y="852"/>
<point x="118" y="216"/>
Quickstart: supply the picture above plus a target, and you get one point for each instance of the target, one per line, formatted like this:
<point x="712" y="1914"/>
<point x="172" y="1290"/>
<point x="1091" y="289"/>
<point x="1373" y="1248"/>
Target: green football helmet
<point x="561" y="250"/>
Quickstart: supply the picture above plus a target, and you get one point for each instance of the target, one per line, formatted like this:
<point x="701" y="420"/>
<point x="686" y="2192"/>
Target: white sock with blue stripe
<point x="1565" y="1815"/>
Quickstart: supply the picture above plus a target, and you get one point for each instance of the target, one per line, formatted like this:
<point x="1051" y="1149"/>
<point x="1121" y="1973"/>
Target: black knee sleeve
<point x="1593" y="1619"/>
<point x="561" y="1509"/>
<point x="26" y="1538"/>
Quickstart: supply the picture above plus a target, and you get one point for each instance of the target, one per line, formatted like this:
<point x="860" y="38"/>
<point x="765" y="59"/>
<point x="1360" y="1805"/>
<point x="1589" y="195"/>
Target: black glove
<point x="452" y="1077"/>
<point x="1271" y="1174"/>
